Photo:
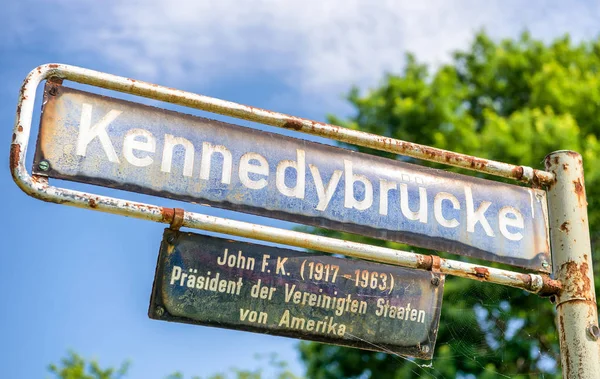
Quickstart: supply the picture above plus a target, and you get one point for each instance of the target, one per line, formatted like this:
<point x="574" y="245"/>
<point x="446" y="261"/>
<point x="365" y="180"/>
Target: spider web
<point x="496" y="320"/>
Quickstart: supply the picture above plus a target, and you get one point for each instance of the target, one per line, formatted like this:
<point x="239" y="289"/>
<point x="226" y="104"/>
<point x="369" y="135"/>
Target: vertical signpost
<point x="576" y="308"/>
<point x="104" y="141"/>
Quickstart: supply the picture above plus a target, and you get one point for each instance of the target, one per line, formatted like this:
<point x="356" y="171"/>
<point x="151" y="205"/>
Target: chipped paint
<point x="580" y="192"/>
<point x="482" y="273"/>
<point x="580" y="285"/>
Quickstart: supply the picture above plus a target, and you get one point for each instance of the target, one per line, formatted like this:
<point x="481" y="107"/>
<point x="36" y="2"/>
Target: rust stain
<point x="536" y="182"/>
<point x="38" y="179"/>
<point x="564" y="346"/>
<point x="436" y="263"/>
<point x="565" y="227"/>
<point x="478" y="163"/>
<point x="293" y="124"/>
<point x="580" y="192"/>
<point x="448" y="156"/>
<point x="56" y="80"/>
<point x="547" y="161"/>
<point x="167" y="214"/>
<point x="583" y="287"/>
<point x="424" y="262"/>
<point x="15" y="152"/>
<point x="482" y="273"/>
<point x="23" y="88"/>
<point x="402" y="147"/>
<point x="518" y="172"/>
<point x="565" y="166"/>
<point x="591" y="310"/>
<point x="536" y="176"/>
<point x="550" y="287"/>
<point x="92" y="203"/>
<point x="178" y="214"/>
<point x="53" y="65"/>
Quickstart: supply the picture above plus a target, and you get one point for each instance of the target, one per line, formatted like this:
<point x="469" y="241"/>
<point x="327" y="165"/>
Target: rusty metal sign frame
<point x="38" y="186"/>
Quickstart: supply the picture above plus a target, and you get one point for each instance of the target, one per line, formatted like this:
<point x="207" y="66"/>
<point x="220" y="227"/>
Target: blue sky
<point x="81" y="280"/>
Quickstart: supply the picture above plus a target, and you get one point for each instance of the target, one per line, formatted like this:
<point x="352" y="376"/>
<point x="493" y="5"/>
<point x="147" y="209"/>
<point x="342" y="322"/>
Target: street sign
<point x="93" y="133"/>
<point x="119" y="144"/>
<point x="237" y="285"/>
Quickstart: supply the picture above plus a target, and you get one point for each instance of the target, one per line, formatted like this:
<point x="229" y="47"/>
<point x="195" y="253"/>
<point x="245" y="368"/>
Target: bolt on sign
<point x="217" y="282"/>
<point x="105" y="141"/>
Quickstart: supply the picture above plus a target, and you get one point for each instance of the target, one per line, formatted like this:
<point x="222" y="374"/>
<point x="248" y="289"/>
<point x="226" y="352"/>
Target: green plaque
<point x="238" y="285"/>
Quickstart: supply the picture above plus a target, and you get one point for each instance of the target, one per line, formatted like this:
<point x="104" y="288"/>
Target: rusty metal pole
<point x="576" y="312"/>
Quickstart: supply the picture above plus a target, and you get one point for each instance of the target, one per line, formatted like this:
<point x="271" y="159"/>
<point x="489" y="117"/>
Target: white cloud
<point x="319" y="47"/>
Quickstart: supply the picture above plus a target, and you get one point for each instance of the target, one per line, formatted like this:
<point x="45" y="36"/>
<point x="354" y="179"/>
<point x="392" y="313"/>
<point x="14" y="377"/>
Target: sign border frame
<point x="38" y="186"/>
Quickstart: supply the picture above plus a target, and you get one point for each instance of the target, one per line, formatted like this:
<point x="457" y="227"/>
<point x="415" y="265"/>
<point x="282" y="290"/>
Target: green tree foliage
<point x="513" y="101"/>
<point x="278" y="369"/>
<point x="76" y="367"/>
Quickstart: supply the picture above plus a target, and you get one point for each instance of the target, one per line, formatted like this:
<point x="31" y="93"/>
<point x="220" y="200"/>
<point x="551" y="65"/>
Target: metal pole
<point x="540" y="284"/>
<point x="576" y="312"/>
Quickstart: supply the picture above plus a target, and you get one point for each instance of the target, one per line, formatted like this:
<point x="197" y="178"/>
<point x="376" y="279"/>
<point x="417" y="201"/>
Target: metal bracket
<point x="436" y="273"/>
<point x="53" y="82"/>
<point x="177" y="221"/>
<point x="436" y="263"/>
<point x="56" y="80"/>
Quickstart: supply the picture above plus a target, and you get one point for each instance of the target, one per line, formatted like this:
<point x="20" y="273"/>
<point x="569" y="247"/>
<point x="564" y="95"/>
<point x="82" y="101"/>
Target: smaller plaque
<point x="230" y="284"/>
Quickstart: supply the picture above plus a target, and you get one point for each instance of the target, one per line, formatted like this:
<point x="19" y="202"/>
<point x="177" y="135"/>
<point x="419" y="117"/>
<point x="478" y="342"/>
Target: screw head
<point x="594" y="332"/>
<point x="52" y="91"/>
<point x="545" y="264"/>
<point x="424" y="349"/>
<point x="44" y="165"/>
<point x="171" y="239"/>
<point x="159" y="311"/>
<point x="435" y="281"/>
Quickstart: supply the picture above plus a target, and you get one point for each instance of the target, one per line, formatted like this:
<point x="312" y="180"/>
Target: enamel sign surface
<point x="237" y="285"/>
<point x="119" y="144"/>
